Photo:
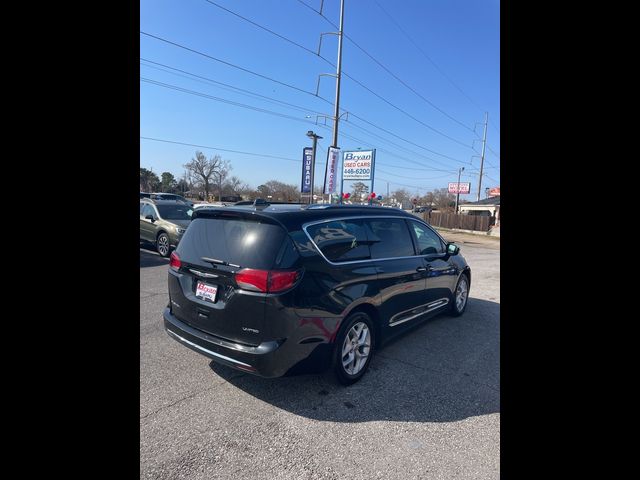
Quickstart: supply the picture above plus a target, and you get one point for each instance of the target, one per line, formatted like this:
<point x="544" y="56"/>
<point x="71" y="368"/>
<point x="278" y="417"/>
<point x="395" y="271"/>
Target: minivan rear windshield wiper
<point x="219" y="262"/>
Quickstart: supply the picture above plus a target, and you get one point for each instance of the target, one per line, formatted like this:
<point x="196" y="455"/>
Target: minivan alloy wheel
<point x="462" y="292"/>
<point x="355" y="348"/>
<point x="163" y="244"/>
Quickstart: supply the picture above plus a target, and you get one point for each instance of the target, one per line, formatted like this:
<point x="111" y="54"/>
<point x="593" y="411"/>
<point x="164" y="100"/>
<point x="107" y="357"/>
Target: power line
<point x="384" y="140"/>
<point x="228" y="63"/>
<point x="221" y="149"/>
<point x="491" y="178"/>
<point x="270" y="112"/>
<point x="369" y="145"/>
<point x="427" y="56"/>
<point x="218" y="99"/>
<point x="264" y="155"/>
<point x="263" y="28"/>
<point x="318" y="12"/>
<point x="404" y="111"/>
<point x="246" y="92"/>
<point x="407" y="86"/>
<point x="490" y="149"/>
<point x="414" y="178"/>
<point x="405" y="140"/>
<point x="402" y="184"/>
<point x="490" y="164"/>
<point x="356" y="80"/>
<point x="393" y="75"/>
<point x="297" y="106"/>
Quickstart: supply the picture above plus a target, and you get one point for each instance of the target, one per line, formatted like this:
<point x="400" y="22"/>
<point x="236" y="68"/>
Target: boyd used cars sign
<point x="357" y="165"/>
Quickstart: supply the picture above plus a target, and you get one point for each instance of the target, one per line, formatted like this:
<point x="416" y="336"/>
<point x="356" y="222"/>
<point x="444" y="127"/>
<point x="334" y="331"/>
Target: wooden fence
<point x="464" y="222"/>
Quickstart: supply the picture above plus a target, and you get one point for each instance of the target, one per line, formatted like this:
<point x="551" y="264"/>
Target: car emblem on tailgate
<point x="203" y="274"/>
<point x="252" y="330"/>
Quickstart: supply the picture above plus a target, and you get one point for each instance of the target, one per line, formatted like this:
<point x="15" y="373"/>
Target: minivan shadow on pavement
<point x="151" y="259"/>
<point x="444" y="370"/>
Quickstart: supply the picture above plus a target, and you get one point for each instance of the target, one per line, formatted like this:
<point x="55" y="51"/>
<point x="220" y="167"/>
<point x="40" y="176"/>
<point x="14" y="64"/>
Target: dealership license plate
<point x="206" y="292"/>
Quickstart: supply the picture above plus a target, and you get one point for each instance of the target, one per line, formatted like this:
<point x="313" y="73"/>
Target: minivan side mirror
<point x="452" y="249"/>
<point x="150" y="217"/>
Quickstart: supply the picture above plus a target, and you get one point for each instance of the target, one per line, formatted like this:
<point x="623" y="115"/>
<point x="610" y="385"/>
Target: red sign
<point x="461" y="187"/>
<point x="494" y="192"/>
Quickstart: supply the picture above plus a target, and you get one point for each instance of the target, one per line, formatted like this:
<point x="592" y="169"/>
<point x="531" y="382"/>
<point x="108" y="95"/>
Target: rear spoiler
<point x="226" y="213"/>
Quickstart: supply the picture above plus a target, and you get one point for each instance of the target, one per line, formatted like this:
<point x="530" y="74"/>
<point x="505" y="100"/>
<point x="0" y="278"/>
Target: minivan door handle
<point x="422" y="269"/>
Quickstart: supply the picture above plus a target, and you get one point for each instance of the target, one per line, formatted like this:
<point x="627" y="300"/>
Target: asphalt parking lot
<point x="429" y="407"/>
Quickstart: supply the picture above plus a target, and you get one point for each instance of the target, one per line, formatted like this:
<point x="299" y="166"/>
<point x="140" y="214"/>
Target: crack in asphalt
<point x="420" y="367"/>
<point x="164" y="407"/>
<point x="188" y="397"/>
<point x="150" y="294"/>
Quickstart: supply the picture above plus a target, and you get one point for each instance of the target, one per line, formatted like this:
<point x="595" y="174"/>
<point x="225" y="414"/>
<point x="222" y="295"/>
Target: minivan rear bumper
<point x="269" y="359"/>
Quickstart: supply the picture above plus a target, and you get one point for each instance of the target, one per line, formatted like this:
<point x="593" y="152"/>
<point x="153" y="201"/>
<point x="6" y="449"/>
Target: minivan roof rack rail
<point x="322" y="206"/>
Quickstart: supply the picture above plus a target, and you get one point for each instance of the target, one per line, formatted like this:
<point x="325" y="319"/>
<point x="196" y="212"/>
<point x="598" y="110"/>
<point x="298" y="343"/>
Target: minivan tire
<point x="163" y="245"/>
<point x="457" y="310"/>
<point x="349" y="371"/>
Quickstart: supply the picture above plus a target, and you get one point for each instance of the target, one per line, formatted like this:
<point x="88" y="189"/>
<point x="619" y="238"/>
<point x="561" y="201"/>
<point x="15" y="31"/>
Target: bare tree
<point x="443" y="199"/>
<point x="402" y="196"/>
<point x="221" y="175"/>
<point x="203" y="172"/>
<point x="360" y="189"/>
<point x="280" y="192"/>
<point x="232" y="186"/>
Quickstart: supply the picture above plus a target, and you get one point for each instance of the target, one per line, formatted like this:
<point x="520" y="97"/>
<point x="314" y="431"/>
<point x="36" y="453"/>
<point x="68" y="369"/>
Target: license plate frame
<point x="206" y="291"/>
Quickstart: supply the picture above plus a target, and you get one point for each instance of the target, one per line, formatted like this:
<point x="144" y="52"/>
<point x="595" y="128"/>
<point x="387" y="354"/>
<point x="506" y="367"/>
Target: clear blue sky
<point x="455" y="68"/>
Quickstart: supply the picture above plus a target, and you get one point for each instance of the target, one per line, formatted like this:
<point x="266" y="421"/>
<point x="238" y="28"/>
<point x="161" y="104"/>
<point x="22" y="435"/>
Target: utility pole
<point x="460" y="170"/>
<point x="315" y="138"/>
<point x="484" y="144"/>
<point x="338" y="75"/>
<point x="336" y="110"/>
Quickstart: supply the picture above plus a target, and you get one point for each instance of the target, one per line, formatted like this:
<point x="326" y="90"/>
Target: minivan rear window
<point x="246" y="243"/>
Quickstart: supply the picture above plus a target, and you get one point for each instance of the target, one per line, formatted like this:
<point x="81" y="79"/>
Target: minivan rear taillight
<point x="174" y="262"/>
<point x="266" y="281"/>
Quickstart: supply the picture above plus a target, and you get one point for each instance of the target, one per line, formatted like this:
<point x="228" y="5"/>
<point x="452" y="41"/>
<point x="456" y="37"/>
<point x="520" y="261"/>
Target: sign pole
<point x="341" y="178"/>
<point x="373" y="171"/>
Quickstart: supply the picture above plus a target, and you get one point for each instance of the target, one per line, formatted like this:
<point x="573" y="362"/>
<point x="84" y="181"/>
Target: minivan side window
<point x="428" y="242"/>
<point x="389" y="238"/>
<point x="341" y="240"/>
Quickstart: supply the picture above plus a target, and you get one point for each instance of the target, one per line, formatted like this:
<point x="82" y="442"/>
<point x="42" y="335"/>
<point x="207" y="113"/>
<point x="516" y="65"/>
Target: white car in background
<point x="205" y="204"/>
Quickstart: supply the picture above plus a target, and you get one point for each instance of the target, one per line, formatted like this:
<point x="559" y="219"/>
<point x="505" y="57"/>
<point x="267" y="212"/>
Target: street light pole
<point x="458" y="188"/>
<point x="315" y="138"/>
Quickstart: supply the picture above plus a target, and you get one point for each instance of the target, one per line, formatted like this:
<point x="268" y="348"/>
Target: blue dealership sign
<point x="306" y="170"/>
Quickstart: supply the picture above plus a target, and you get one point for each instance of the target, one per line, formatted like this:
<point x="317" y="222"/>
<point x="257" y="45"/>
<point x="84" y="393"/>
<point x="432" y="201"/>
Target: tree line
<point x="210" y="179"/>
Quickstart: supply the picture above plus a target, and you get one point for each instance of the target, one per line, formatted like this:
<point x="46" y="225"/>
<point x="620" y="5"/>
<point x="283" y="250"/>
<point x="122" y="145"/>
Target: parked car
<point x="206" y="204"/>
<point x="278" y="290"/>
<point x="163" y="222"/>
<point x="171" y="196"/>
<point x="144" y="195"/>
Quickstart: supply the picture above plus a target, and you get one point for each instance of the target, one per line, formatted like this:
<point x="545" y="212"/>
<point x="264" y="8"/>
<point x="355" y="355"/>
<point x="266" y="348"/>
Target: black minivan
<point x="284" y="289"/>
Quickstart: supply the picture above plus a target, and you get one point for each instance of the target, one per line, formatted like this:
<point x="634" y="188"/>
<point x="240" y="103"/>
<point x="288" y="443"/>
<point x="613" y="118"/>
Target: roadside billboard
<point x="358" y="165"/>
<point x="494" y="192"/>
<point x="462" y="187"/>
<point x="331" y="171"/>
<point x="305" y="186"/>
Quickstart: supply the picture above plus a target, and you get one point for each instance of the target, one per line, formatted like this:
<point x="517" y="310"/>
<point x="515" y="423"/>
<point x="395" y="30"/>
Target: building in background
<point x="487" y="206"/>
